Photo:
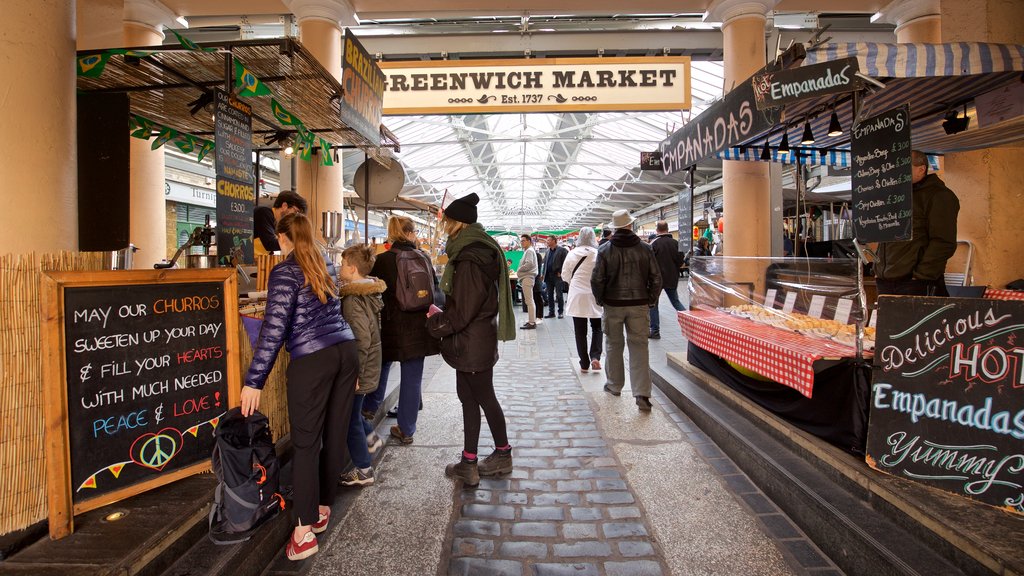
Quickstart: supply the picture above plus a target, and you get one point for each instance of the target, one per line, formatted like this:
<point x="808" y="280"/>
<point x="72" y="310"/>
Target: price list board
<point x="236" y="181"/>
<point x="141" y="366"/>
<point x="882" y="189"/>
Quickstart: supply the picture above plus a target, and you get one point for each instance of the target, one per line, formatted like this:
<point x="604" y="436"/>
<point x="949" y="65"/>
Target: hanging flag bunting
<point x="91" y="66"/>
<point x="142" y="127"/>
<point x="90" y="482"/>
<point x="132" y="53"/>
<point x="325" y="153"/>
<point x="116" y="469"/>
<point x="304" y="143"/>
<point x="166" y="134"/>
<point x="194" y="431"/>
<point x="283" y="116"/>
<point x="190" y="45"/>
<point x="247" y="82"/>
<point x="205" y="147"/>
<point x="185" y="142"/>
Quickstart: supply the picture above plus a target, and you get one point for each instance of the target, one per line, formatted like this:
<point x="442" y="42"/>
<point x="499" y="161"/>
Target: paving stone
<point x="580" y="434"/>
<point x="569" y="498"/>
<point x="589" y="443"/>
<point x="479" y="496"/>
<point x="584" y="549"/>
<point x="610" y="498"/>
<point x="541" y="513"/>
<point x="535" y="529"/>
<point x="541" y="452"/>
<point x="466" y="527"/>
<point x="496" y="512"/>
<point x="555" y="443"/>
<point x="597" y="473"/>
<point x="512" y="498"/>
<point x="633" y="548"/>
<point x="495" y="484"/>
<point x="806" y="554"/>
<point x="472" y="547"/>
<point x="633" y="568"/>
<point x="740" y="484"/>
<point x="574" y="485"/>
<point x="579" y="530"/>
<point x="554" y="428"/>
<point x="604" y="463"/>
<point x="466" y="566"/>
<point x="580" y="569"/>
<point x="519" y="474"/>
<point x="535" y="485"/>
<point x="558" y="474"/>
<point x="620" y="512"/>
<point x="611" y="485"/>
<point x="779" y="526"/>
<point x="524" y="549"/>
<point x="531" y="462"/>
<point x="759" y="503"/>
<point x="585" y="513"/>
<point x="567" y="463"/>
<point x="623" y="529"/>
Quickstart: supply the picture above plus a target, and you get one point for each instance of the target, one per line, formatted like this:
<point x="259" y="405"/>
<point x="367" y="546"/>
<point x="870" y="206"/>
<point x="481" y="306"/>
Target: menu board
<point x="947" y="400"/>
<point x="685" y="216"/>
<point x="882" y="189"/>
<point x="139" y="373"/>
<point x="236" y="183"/>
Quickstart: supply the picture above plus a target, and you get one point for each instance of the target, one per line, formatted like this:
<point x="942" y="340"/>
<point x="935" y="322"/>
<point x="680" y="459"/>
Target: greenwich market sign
<point x="773" y="89"/>
<point x="537" y="85"/>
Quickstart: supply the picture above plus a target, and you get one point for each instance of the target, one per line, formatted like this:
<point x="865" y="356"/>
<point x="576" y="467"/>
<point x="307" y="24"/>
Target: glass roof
<point x="545" y="170"/>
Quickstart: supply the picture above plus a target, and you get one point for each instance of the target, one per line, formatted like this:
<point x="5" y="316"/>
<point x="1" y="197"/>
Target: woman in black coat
<point x="403" y="335"/>
<point x="477" y="313"/>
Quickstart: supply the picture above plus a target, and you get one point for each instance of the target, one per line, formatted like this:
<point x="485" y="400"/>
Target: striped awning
<point x="931" y="78"/>
<point x="835" y="158"/>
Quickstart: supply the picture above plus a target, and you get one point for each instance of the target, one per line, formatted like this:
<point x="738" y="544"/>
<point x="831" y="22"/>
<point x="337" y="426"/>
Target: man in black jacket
<point x="666" y="252"/>
<point x="627" y="283"/>
<point x="264" y="226"/>
<point x="553" y="276"/>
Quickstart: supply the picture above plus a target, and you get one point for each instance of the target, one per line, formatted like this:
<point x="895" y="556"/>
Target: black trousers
<point x="321" y="387"/>
<point x="538" y="297"/>
<point x="555" y="295"/>
<point x="911" y="287"/>
<point x="579" y="326"/>
<point x="476" y="391"/>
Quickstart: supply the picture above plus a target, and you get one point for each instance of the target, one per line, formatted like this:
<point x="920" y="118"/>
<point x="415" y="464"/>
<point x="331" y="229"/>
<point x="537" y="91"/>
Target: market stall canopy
<point x="933" y="79"/>
<point x="170" y="86"/>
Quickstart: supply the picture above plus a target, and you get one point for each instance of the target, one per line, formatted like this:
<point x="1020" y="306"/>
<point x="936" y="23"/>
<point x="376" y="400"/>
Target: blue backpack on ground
<point x="248" y="475"/>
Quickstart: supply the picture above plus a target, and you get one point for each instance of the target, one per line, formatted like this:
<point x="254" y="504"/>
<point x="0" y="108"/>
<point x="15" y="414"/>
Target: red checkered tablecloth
<point x="781" y="355"/>
<point x="997" y="294"/>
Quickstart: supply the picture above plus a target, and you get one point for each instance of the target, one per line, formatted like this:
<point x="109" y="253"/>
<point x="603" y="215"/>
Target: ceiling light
<point x="766" y="153"/>
<point x="834" y="127"/>
<point x="784" y="145"/>
<point x="808" y="134"/>
<point x="954" y="124"/>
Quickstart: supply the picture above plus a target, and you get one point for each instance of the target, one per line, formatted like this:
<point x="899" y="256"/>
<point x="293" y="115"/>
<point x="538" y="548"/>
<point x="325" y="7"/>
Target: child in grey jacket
<point x="361" y="303"/>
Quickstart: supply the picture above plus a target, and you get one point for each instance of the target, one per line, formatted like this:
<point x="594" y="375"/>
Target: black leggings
<point x="476" y="391"/>
<point x="579" y="326"/>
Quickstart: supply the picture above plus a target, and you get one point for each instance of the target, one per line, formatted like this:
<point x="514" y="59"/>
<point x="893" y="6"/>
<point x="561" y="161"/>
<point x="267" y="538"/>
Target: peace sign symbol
<point x="156" y="450"/>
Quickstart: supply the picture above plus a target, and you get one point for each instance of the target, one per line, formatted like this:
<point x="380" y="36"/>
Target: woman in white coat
<point x="581" y="305"/>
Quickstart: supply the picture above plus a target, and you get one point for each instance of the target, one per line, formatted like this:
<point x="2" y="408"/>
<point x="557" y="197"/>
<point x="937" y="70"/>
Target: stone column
<point x="746" y="185"/>
<point x="320" y="31"/>
<point x="143" y="24"/>
<point x="917" y="21"/>
<point x="989" y="183"/>
<point x="38" y="173"/>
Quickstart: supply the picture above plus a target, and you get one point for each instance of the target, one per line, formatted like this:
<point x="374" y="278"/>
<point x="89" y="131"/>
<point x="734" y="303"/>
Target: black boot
<point x="465" y="470"/>
<point x="499" y="462"/>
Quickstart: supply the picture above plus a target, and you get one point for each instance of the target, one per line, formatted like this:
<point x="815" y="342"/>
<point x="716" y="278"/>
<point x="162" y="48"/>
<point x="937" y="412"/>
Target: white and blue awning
<point x="834" y="158"/>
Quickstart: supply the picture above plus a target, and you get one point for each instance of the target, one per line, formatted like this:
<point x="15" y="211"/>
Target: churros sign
<point x="363" y="83"/>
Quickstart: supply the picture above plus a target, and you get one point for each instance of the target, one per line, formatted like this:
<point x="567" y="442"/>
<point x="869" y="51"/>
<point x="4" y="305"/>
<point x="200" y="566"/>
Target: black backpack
<point x="414" y="287"/>
<point x="248" y="475"/>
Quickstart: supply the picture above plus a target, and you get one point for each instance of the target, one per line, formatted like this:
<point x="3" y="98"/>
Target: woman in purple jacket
<point x="304" y="313"/>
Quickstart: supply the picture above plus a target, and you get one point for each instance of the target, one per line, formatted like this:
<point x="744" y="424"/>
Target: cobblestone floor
<point x="598" y="487"/>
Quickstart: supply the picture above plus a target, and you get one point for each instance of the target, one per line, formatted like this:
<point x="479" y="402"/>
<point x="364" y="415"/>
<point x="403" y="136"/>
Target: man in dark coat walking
<point x="666" y="252"/>
<point x="553" y="276"/>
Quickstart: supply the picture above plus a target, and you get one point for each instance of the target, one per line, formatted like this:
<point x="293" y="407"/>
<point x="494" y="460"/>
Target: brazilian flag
<point x="205" y="147"/>
<point x="91" y="66"/>
<point x="185" y="142"/>
<point x="142" y="128"/>
<point x="305" y="141"/>
<point x="283" y="116"/>
<point x="325" y="153"/>
<point x="248" y="83"/>
<point x="166" y="134"/>
<point x="190" y="45"/>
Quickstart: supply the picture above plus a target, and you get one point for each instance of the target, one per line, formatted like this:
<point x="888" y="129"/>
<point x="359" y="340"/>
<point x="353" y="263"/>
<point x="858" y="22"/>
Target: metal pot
<point x="200" y="261"/>
<point x="120" y="259"/>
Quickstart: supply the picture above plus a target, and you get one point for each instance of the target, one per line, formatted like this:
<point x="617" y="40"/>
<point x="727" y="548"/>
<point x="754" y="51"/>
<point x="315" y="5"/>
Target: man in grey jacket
<point x="627" y="283"/>
<point x="527" y="274"/>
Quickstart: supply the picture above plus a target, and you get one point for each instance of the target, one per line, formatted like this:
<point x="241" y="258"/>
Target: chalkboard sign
<point x="146" y="363"/>
<point x="882" y="192"/>
<point x="947" y="401"/>
<point x="236" y="183"/>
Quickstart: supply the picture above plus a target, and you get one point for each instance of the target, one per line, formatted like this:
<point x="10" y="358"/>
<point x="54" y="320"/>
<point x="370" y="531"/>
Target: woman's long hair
<point x="451" y="226"/>
<point x="587" y="237"/>
<point x="298" y="229"/>
<point x="399" y="228"/>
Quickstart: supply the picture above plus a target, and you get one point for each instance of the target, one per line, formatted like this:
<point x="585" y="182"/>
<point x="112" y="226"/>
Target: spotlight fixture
<point x="205" y="100"/>
<point x="784" y="145"/>
<point x="284" y="139"/>
<point x="766" y="153"/>
<point x="808" y="134"/>
<point x="954" y="124"/>
<point x="834" y="127"/>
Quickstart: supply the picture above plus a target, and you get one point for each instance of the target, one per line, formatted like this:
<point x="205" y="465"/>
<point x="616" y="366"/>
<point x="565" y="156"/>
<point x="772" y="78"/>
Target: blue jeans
<point x="357" y="435"/>
<point x="673" y="297"/>
<point x="408" y="393"/>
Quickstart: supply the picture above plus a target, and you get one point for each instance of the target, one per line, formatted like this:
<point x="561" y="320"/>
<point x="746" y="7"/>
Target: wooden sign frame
<point x="55" y="390"/>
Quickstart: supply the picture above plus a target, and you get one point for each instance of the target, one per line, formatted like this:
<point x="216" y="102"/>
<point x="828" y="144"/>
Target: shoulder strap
<point x="577" y="267"/>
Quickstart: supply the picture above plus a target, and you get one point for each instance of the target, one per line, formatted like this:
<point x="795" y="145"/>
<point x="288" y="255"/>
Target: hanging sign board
<point x="685" y="217"/>
<point x="881" y="180"/>
<point x="363" y="83"/>
<point x="947" y="400"/>
<point x="236" y="183"/>
<point x="650" y="160"/>
<point x="537" y="85"/>
<point x="140" y="366"/>
<point x="772" y="89"/>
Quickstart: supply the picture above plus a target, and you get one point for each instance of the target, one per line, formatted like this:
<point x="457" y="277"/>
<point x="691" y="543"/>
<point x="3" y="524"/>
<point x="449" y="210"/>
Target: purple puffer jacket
<point x="294" y="314"/>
